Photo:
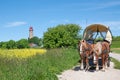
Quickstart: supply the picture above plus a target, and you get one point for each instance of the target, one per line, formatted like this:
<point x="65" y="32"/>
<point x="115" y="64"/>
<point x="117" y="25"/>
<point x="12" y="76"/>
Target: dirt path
<point x="76" y="74"/>
<point x="115" y="55"/>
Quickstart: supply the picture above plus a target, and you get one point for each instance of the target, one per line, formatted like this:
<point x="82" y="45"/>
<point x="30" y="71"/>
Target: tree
<point x="3" y="45"/>
<point x="35" y="40"/>
<point x="116" y="38"/>
<point x="23" y="43"/>
<point x="11" y="44"/>
<point x="61" y="36"/>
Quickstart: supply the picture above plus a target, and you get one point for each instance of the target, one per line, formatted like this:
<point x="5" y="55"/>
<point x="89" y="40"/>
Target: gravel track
<point x="77" y="74"/>
<point x="115" y="55"/>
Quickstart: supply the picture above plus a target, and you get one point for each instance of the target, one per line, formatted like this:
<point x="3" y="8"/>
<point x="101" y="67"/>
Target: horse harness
<point x="84" y="49"/>
<point x="106" y="49"/>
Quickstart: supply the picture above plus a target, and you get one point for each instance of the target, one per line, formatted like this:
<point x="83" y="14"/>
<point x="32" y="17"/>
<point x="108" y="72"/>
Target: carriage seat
<point x="91" y="41"/>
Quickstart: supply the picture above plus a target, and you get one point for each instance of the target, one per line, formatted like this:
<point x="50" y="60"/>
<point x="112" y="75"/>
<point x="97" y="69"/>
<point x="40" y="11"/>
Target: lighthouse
<point x="30" y="32"/>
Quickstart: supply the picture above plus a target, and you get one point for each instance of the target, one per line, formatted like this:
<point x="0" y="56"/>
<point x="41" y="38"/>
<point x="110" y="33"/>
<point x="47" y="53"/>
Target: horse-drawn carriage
<point x="94" y="48"/>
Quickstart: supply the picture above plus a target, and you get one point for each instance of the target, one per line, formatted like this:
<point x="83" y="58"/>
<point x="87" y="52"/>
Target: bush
<point x="61" y="36"/>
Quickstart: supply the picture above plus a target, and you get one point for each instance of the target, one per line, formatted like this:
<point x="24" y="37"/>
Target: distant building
<point x="32" y="44"/>
<point x="30" y="32"/>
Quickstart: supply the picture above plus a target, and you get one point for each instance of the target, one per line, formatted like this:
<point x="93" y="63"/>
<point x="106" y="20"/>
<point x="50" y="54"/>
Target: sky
<point x="16" y="16"/>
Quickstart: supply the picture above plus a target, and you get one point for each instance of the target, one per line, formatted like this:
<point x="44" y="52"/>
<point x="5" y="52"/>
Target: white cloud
<point x="115" y="3"/>
<point x="113" y="25"/>
<point x="101" y="5"/>
<point x="107" y="4"/>
<point x="15" y="24"/>
<point x="59" y="21"/>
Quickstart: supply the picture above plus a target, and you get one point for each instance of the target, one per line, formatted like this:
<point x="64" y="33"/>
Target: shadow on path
<point x="91" y="69"/>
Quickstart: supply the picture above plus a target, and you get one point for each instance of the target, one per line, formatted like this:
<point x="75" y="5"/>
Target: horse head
<point x="84" y="44"/>
<point x="80" y="45"/>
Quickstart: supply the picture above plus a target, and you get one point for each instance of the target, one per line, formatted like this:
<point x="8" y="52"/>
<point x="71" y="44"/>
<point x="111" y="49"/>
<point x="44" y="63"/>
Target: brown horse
<point x="101" y="49"/>
<point x="85" y="51"/>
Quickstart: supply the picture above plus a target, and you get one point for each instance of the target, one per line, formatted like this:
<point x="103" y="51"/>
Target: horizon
<point x="17" y="16"/>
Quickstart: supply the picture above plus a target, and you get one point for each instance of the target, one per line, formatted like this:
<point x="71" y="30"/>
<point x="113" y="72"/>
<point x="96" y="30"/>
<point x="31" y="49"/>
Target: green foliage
<point x="117" y="63"/>
<point x="61" y="36"/>
<point x="11" y="44"/>
<point x="35" y="40"/>
<point x="38" y="67"/>
<point x="116" y="38"/>
<point x="23" y="43"/>
<point x="20" y="44"/>
<point x="115" y="42"/>
<point x="3" y="45"/>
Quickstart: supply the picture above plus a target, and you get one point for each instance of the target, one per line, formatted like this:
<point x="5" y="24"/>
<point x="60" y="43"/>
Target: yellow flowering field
<point x="21" y="53"/>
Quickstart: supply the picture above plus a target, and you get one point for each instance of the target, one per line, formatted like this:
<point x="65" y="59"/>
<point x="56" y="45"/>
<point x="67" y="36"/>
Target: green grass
<point x="116" y="50"/>
<point x="116" y="62"/>
<point x="38" y="67"/>
<point x="115" y="44"/>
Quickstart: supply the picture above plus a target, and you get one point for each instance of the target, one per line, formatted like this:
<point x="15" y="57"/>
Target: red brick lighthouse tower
<point x="30" y="32"/>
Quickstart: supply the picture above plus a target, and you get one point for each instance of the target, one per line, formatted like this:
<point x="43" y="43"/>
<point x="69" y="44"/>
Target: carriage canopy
<point x="93" y="30"/>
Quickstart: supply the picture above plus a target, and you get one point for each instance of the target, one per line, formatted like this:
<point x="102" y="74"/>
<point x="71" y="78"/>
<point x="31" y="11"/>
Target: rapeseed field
<point x="21" y="53"/>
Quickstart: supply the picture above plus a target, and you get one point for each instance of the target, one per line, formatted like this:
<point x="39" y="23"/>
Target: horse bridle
<point x="86" y="49"/>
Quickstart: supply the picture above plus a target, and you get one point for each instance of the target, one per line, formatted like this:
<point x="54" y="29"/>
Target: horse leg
<point x="97" y="66"/>
<point x="94" y="59"/>
<point x="81" y="64"/>
<point x="106" y="60"/>
<point x="87" y="62"/>
<point x="103" y="62"/>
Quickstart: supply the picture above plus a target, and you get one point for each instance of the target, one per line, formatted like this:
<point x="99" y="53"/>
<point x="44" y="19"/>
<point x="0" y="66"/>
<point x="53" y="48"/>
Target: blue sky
<point x="16" y="16"/>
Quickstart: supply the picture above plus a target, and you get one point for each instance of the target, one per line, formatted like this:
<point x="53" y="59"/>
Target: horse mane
<point x="87" y="45"/>
<point x="106" y="41"/>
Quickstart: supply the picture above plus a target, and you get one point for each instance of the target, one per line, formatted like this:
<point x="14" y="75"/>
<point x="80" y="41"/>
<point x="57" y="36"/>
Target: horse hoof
<point x="86" y="70"/>
<point x="81" y="69"/>
<point x="97" y="69"/>
<point x="103" y="70"/>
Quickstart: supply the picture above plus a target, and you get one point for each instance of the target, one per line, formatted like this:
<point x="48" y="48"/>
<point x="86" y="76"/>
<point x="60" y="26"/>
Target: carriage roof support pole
<point x="97" y="33"/>
<point x="102" y="35"/>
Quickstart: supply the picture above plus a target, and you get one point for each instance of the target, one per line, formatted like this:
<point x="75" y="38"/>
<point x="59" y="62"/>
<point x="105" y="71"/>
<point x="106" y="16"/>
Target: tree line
<point x="20" y="44"/>
<point x="63" y="35"/>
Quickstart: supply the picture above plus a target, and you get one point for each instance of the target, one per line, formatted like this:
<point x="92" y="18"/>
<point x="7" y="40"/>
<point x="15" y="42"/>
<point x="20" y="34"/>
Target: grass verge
<point x="116" y="50"/>
<point x="38" y="67"/>
<point x="116" y="62"/>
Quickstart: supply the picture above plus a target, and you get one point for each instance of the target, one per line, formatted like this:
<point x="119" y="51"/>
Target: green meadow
<point x="45" y="66"/>
<point x="38" y="67"/>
